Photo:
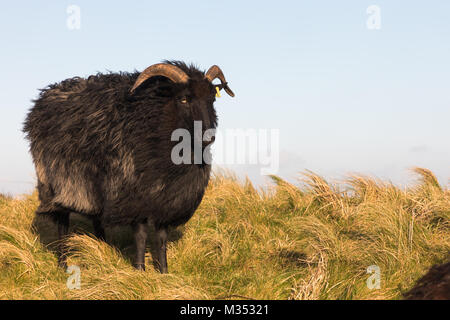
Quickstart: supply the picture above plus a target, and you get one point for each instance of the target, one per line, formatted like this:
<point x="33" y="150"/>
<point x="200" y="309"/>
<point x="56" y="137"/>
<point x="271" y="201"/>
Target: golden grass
<point x="288" y="242"/>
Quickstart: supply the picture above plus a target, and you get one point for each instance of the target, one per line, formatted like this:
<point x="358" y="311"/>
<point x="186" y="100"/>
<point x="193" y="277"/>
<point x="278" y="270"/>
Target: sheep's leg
<point x="98" y="229"/>
<point x="161" y="255"/>
<point x="140" y="238"/>
<point x="62" y="220"/>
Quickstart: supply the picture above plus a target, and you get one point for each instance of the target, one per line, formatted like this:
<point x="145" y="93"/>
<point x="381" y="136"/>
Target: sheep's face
<point x="195" y="103"/>
<point x="193" y="108"/>
<point x="188" y="95"/>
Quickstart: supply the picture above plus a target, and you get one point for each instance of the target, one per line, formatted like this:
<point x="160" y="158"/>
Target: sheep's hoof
<point x="140" y="266"/>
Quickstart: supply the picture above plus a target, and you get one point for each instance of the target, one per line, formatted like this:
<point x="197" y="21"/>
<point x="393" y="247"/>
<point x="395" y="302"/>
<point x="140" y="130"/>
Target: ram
<point x="102" y="148"/>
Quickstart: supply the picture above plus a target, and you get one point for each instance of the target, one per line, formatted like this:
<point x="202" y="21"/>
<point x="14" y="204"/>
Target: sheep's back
<point x="73" y="129"/>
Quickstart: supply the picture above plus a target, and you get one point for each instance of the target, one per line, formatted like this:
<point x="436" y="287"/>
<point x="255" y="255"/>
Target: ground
<point x="311" y="241"/>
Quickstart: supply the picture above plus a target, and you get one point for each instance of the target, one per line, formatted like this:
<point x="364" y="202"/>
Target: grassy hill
<point x="315" y="241"/>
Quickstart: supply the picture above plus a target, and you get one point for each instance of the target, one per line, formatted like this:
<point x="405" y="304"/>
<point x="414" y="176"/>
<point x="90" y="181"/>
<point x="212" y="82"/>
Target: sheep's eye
<point x="183" y="100"/>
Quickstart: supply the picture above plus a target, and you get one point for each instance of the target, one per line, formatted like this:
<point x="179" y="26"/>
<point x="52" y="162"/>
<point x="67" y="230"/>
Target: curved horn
<point x="216" y="73"/>
<point x="161" y="69"/>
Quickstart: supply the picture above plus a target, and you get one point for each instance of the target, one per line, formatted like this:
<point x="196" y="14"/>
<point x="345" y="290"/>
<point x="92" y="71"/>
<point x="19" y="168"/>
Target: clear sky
<point x="344" y="97"/>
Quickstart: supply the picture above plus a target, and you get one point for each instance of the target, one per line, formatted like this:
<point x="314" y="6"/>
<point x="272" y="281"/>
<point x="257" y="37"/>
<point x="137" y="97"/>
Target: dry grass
<point x="310" y="242"/>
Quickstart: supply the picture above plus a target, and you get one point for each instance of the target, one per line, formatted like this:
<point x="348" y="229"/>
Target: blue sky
<point x="345" y="98"/>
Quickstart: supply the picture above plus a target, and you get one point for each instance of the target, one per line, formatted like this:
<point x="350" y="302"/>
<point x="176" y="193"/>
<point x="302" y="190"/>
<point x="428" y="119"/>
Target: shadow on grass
<point x="291" y="258"/>
<point x="120" y="237"/>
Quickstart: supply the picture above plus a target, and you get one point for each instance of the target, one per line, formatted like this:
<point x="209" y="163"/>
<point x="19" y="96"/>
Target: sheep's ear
<point x="172" y="72"/>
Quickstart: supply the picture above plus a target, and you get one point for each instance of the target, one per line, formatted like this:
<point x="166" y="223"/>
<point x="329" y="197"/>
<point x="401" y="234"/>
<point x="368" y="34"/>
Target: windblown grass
<point x="310" y="242"/>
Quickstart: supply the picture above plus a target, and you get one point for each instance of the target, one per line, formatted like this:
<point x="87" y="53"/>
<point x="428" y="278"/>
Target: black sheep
<point x="102" y="148"/>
